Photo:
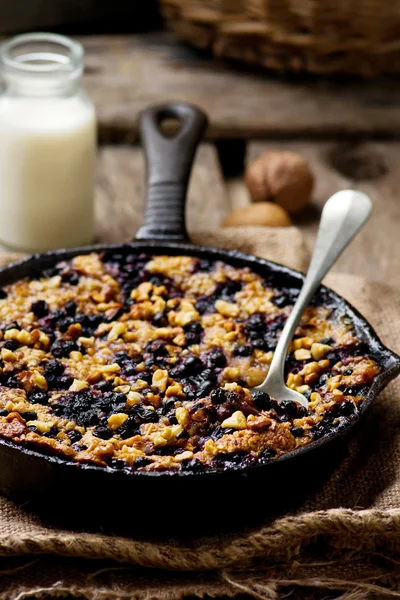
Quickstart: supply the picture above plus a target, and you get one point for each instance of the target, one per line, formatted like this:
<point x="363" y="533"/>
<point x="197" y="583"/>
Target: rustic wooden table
<point x="347" y="130"/>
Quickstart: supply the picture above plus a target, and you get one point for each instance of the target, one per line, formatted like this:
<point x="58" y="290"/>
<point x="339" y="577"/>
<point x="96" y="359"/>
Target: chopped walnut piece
<point x="302" y="354"/>
<point x="227" y="309"/>
<point x="160" y="379"/>
<point x="235" y="421"/>
<point x="78" y="386"/>
<point x="318" y="351"/>
<point x="117" y="420"/>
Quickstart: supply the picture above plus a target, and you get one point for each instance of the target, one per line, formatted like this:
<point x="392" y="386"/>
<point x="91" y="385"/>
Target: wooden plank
<point x="40" y="15"/>
<point x="121" y="185"/>
<point x="125" y="74"/>
<point x="370" y="167"/>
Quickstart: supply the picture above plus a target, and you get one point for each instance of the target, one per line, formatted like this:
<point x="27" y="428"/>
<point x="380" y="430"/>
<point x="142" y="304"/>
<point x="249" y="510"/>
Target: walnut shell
<point x="281" y="177"/>
<point x="264" y="214"/>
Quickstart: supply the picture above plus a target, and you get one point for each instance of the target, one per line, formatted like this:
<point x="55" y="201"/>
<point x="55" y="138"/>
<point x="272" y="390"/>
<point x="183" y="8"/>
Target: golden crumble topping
<point x="141" y="362"/>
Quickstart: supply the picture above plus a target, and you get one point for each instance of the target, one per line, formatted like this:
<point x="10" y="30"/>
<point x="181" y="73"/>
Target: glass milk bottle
<point x="47" y="145"/>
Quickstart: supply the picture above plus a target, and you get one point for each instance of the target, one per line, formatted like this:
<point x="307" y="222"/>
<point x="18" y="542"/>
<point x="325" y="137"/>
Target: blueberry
<point x="256" y="321"/>
<point x="130" y="428"/>
<point x="193" y="333"/>
<point x="233" y="458"/>
<point x="168" y="405"/>
<point x="217" y="433"/>
<point x="52" y="433"/>
<point x="246" y="350"/>
<point x="229" y="431"/>
<point x="157" y="347"/>
<point x="10" y="380"/>
<point x="354" y="391"/>
<point x="262" y="400"/>
<point x="39" y="308"/>
<point x="334" y="357"/>
<point x="158" y="280"/>
<point x="205" y="264"/>
<point x="205" y="304"/>
<point x="89" y="323"/>
<point x="346" y="409"/>
<point x="159" y="320"/>
<point x="56" y="314"/>
<point x="64" y="323"/>
<point x="105" y="386"/>
<point x="10" y="345"/>
<point x="146" y="415"/>
<point x="30" y="416"/>
<point x="103" y="432"/>
<point x="282" y="301"/>
<point x="114" y="257"/>
<point x="63" y="348"/>
<point x="267" y="455"/>
<point x="171" y="416"/>
<point x="348" y="372"/>
<point x="117" y="463"/>
<point x="205" y="388"/>
<point x="284" y="418"/>
<point x="193" y="465"/>
<point x="323" y="379"/>
<point x="74" y="436"/>
<point x="286" y="297"/>
<point x="288" y="408"/>
<point x="259" y="343"/>
<point x="219" y="396"/>
<point x="229" y="289"/>
<point x="70" y="277"/>
<point x="121" y="358"/>
<point x="193" y="365"/>
<point x="64" y="382"/>
<point x="3" y="294"/>
<point x="93" y="322"/>
<point x="190" y="367"/>
<point x="301" y="410"/>
<point x="38" y="397"/>
<point x="151" y="362"/>
<point x="215" y="358"/>
<point x="130" y="370"/>
<point x="54" y="367"/>
<point x="141" y="461"/>
<point x="145" y="376"/>
<point x="70" y="308"/>
<point x="3" y="412"/>
<point x="297" y="431"/>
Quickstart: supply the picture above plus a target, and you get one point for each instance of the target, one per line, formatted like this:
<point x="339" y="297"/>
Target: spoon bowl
<point x="343" y="215"/>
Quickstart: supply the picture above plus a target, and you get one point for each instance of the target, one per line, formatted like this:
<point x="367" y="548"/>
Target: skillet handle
<point x="168" y="164"/>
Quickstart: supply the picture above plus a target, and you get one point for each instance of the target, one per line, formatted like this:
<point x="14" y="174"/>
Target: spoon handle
<point x="342" y="217"/>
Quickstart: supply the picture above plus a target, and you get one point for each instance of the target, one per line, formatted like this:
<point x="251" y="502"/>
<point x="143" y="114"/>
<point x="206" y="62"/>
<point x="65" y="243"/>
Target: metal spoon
<point x="342" y="218"/>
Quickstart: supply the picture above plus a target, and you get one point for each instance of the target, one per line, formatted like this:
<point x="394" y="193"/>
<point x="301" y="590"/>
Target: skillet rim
<point x="390" y="359"/>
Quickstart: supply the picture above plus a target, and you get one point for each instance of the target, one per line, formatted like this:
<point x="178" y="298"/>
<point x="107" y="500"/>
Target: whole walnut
<point x="265" y="214"/>
<point x="281" y="177"/>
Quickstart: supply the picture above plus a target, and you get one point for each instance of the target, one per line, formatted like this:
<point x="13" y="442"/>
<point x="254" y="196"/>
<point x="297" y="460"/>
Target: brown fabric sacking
<point x="345" y="536"/>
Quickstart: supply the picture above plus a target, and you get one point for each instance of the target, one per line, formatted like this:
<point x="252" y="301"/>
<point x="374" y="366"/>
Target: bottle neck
<point x="41" y="65"/>
<point x="25" y="86"/>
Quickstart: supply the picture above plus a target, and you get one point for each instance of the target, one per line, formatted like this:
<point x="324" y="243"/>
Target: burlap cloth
<point x="345" y="538"/>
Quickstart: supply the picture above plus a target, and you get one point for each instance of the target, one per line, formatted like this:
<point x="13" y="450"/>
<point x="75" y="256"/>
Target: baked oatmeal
<point x="143" y="363"/>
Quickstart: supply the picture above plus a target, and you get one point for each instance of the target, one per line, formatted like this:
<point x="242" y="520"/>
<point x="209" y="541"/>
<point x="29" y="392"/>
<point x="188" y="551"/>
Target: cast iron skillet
<point x="85" y="489"/>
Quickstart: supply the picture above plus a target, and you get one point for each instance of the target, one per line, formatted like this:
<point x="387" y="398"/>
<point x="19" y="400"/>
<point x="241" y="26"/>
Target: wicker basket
<point x="321" y="36"/>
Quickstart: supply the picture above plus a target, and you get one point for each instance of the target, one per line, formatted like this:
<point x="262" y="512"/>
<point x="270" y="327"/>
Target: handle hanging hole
<point x="168" y="123"/>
